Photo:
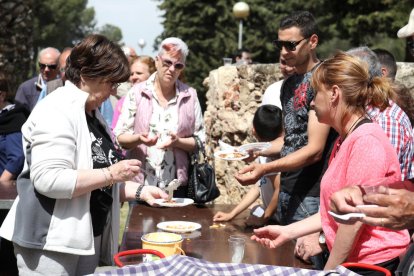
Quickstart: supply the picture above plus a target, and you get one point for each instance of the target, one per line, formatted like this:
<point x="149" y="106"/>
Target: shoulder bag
<point x="202" y="179"/>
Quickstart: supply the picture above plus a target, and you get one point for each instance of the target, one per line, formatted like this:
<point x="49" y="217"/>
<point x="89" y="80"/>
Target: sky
<point x="137" y="19"/>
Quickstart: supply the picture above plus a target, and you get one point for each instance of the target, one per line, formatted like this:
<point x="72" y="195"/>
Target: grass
<point x="123" y="216"/>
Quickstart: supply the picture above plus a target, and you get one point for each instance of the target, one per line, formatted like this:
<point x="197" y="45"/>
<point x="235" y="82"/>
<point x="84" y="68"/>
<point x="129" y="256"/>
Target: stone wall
<point x="234" y="93"/>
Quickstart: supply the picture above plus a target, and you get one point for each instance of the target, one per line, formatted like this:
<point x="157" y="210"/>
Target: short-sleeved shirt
<point x="296" y="96"/>
<point x="396" y="125"/>
<point x="366" y="154"/>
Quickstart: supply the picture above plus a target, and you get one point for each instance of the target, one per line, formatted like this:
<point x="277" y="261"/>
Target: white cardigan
<point x="58" y="133"/>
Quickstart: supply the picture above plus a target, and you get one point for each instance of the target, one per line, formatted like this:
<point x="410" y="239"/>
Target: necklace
<point x="340" y="140"/>
<point x="351" y="128"/>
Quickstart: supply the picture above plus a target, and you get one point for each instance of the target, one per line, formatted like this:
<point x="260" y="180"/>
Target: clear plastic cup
<point x="236" y="247"/>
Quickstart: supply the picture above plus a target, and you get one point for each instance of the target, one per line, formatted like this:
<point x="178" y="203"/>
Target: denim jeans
<point x="292" y="208"/>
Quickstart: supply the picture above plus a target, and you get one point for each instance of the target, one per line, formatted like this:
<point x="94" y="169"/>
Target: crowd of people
<point x="100" y="125"/>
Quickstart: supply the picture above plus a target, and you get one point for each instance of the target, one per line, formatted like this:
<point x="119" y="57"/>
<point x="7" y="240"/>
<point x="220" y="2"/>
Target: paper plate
<point x="179" y="226"/>
<point x="178" y="202"/>
<point x="255" y="146"/>
<point x="231" y="155"/>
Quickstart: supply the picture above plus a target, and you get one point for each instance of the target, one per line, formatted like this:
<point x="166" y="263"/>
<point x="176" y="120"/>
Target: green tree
<point x="60" y="23"/>
<point x="112" y="32"/>
<point x="212" y="33"/>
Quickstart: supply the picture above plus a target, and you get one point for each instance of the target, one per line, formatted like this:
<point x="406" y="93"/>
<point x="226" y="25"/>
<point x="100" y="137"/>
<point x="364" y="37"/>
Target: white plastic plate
<point x="177" y="202"/>
<point x="231" y="155"/>
<point x="179" y="226"/>
<point x="255" y="147"/>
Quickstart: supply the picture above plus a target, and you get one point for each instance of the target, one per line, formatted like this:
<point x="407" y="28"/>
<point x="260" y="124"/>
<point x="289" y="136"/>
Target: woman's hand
<point x="271" y="236"/>
<point x="170" y="141"/>
<point x="150" y="193"/>
<point x="144" y="139"/>
<point x="124" y="170"/>
<point x="221" y="216"/>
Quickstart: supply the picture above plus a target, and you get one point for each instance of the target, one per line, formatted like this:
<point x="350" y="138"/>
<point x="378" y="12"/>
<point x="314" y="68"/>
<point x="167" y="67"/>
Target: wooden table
<point x="207" y="243"/>
<point x="8" y="193"/>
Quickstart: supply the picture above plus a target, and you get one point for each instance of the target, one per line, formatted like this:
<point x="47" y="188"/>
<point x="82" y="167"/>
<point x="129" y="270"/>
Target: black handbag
<point x="202" y="178"/>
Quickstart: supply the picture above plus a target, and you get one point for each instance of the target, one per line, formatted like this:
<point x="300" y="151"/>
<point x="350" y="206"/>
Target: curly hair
<point x="404" y="99"/>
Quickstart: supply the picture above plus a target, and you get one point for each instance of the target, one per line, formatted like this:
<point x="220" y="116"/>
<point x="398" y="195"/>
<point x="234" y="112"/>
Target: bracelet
<point x="112" y="177"/>
<point x="138" y="192"/>
<point x="107" y="183"/>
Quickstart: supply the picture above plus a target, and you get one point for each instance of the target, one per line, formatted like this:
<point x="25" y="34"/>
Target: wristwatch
<point x="322" y="239"/>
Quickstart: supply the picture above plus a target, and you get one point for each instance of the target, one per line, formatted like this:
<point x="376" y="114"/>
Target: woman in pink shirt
<point x="362" y="153"/>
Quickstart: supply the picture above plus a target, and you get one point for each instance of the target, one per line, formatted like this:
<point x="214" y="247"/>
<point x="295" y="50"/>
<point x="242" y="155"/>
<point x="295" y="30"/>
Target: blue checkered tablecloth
<point x="177" y="265"/>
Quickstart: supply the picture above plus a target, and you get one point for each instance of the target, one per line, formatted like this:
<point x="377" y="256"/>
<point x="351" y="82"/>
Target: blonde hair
<point x="352" y="76"/>
<point x="149" y="61"/>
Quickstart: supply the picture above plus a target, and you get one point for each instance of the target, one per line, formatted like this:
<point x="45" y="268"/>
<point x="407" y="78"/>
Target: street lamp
<point x="241" y="11"/>
<point x="141" y="44"/>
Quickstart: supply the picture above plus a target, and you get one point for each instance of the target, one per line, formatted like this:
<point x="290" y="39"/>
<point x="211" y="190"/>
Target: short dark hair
<point x="97" y="57"/>
<point x="239" y="52"/>
<point x="303" y="20"/>
<point x="387" y="60"/>
<point x="267" y="122"/>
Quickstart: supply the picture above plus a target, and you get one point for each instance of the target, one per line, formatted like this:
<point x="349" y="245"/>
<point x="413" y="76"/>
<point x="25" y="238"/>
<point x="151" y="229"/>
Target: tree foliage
<point x="112" y="32"/>
<point x="210" y="29"/>
<point x="60" y="23"/>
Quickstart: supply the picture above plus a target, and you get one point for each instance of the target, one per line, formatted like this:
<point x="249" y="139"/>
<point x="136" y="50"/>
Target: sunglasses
<point x="289" y="45"/>
<point x="50" y="66"/>
<point x="168" y="63"/>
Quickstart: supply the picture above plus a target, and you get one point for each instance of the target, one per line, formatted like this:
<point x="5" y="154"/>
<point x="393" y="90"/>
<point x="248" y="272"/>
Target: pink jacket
<point x="186" y="124"/>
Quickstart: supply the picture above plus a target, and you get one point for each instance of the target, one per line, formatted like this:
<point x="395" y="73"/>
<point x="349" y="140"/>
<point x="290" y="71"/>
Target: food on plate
<point x="235" y="154"/>
<point x="172" y="201"/>
<point x="175" y="226"/>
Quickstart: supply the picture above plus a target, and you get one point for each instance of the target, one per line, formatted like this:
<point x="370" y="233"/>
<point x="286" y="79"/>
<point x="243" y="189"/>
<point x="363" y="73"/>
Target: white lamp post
<point x="241" y="11"/>
<point x="141" y="44"/>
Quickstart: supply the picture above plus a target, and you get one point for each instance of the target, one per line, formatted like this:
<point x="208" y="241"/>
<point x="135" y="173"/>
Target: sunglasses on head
<point x="168" y="63"/>
<point x="289" y="45"/>
<point x="50" y="66"/>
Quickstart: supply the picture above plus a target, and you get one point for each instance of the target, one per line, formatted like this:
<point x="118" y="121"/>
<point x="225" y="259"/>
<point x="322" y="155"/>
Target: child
<point x="267" y="126"/>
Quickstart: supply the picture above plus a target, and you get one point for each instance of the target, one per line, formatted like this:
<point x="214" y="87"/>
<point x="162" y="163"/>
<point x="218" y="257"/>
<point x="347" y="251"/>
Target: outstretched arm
<point x="307" y="155"/>
<point x="273" y="236"/>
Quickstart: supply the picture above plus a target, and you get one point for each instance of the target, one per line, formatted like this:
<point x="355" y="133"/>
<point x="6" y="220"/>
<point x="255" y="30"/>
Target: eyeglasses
<point x="50" y="66"/>
<point x="114" y="86"/>
<point x="168" y="63"/>
<point x="289" y="45"/>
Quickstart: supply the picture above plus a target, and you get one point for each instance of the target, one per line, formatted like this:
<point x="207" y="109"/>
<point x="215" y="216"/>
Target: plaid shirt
<point x="397" y="126"/>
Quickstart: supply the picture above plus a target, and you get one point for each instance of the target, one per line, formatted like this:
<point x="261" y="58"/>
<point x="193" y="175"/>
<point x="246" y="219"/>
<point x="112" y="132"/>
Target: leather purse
<point x="202" y="178"/>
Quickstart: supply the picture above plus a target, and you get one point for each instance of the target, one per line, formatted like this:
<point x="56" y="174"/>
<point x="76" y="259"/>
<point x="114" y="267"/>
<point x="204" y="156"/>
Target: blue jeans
<point x="292" y="208"/>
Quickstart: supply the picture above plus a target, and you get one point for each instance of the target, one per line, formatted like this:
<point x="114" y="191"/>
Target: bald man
<point x="29" y="91"/>
<point x="54" y="84"/>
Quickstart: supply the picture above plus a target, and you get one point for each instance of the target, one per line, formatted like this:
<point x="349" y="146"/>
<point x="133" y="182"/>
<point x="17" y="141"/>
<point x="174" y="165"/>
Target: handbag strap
<point x="199" y="150"/>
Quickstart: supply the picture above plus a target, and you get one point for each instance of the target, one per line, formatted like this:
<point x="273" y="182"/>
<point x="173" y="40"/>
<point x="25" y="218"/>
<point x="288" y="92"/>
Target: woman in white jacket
<point x="65" y="220"/>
